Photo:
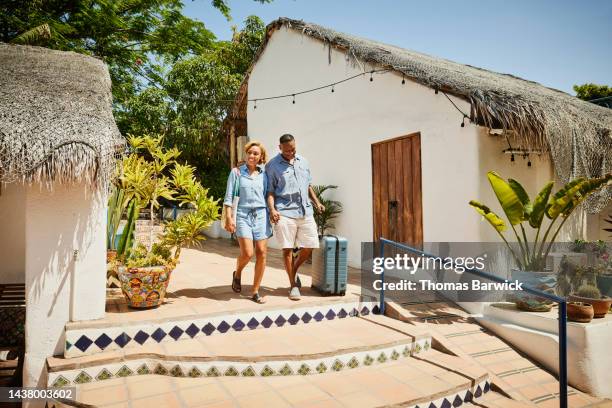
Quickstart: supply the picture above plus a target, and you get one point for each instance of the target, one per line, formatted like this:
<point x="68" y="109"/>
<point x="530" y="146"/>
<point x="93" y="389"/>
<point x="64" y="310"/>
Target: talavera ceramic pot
<point x="144" y="287"/>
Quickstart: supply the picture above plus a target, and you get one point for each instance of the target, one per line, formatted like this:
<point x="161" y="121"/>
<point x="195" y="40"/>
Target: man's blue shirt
<point x="289" y="183"/>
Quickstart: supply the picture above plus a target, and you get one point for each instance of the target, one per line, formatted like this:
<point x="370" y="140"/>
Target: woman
<point x="251" y="224"/>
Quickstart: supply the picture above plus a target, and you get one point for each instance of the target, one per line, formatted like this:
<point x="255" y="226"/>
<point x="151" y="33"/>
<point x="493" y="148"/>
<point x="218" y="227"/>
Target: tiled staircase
<point x="332" y="354"/>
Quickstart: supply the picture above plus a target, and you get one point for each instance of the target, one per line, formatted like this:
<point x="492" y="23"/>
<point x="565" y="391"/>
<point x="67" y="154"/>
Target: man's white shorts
<point x="296" y="232"/>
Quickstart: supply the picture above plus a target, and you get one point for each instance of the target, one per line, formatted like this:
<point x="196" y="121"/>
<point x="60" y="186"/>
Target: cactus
<point x="589" y="291"/>
<point x="127" y="237"/>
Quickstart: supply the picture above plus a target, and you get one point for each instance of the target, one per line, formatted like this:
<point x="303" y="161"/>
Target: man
<point x="291" y="211"/>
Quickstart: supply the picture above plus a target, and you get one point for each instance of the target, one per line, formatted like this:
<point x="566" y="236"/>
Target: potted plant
<point x="147" y="175"/>
<point x="589" y="293"/>
<point x="333" y="208"/>
<point x="579" y="312"/>
<point x="522" y="213"/>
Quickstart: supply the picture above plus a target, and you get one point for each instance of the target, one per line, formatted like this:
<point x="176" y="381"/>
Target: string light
<point x="332" y="88"/>
<point x="512" y="157"/>
<point x="436" y="90"/>
<point x="371" y="76"/>
<point x="255" y="105"/>
<point x="403" y="79"/>
<point x="293" y="98"/>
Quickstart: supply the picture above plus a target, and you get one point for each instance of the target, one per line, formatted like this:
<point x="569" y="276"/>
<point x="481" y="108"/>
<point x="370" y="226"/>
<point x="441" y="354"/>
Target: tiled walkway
<point x="200" y="284"/>
<point x="464" y="354"/>
<point x="392" y="383"/>
<point x="516" y="374"/>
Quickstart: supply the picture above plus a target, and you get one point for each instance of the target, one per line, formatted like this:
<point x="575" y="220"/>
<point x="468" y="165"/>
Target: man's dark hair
<point x="286" y="138"/>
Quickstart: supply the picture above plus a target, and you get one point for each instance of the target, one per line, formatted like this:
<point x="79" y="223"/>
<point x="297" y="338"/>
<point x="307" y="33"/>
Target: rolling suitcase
<point x="329" y="266"/>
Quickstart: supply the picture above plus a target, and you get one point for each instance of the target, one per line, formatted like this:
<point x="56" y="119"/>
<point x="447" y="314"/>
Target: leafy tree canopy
<point x="170" y="75"/>
<point x="588" y="92"/>
<point x="134" y="37"/>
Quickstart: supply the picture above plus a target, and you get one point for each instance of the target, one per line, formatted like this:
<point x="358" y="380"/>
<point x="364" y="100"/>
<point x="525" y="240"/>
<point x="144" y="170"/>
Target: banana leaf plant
<point x="522" y="212"/>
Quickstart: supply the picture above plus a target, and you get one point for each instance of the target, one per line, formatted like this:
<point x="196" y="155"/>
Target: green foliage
<point x="141" y="257"/>
<point x="127" y="236"/>
<point x="518" y="208"/>
<point x="592" y="91"/>
<point x="192" y="99"/>
<point x="117" y="204"/>
<point x="589" y="291"/>
<point x="325" y="219"/>
<point x="134" y="37"/>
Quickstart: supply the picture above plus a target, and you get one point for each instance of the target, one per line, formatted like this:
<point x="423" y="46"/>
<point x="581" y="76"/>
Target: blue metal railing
<point x="561" y="301"/>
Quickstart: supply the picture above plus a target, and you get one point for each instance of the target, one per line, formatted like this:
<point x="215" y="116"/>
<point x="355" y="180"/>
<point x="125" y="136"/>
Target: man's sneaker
<point x="298" y="282"/>
<point x="294" y="294"/>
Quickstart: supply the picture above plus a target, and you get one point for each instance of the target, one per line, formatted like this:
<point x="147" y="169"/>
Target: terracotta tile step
<point x="290" y="349"/>
<point x="407" y="382"/>
<point x="84" y="338"/>
<point x="494" y="399"/>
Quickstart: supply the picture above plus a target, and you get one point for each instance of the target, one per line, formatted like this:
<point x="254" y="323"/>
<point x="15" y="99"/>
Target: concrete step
<point x="140" y="328"/>
<point x="428" y="379"/>
<point x="330" y="345"/>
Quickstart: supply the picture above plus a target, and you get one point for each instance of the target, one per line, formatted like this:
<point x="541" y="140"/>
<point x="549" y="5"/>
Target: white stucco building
<point x="391" y="139"/>
<point x="58" y="142"/>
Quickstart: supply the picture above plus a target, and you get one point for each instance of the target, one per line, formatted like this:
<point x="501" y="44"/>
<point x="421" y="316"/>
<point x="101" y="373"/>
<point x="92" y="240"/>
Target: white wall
<point x="57" y="223"/>
<point x="334" y="132"/>
<point x="12" y="233"/>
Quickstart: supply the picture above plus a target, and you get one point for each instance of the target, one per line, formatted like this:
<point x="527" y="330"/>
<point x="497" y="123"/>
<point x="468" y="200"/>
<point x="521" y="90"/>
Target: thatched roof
<point x="56" y="120"/>
<point x="577" y="134"/>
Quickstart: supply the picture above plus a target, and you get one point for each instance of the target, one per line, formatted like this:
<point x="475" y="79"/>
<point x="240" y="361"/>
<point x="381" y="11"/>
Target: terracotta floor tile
<point x="264" y="399"/>
<point x="403" y="373"/>
<point x="327" y="403"/>
<point x="360" y="399"/>
<point x="518" y="380"/>
<point x="396" y="394"/>
<point x="168" y="400"/>
<point x="107" y="395"/>
<point x="119" y="405"/>
<point x="551" y="403"/>
<point x="154" y="384"/>
<point x="186" y="382"/>
<point x="428" y="386"/>
<point x="533" y="391"/>
<point x="221" y="404"/>
<point x="277" y="382"/>
<point x="205" y="394"/>
<point x="302" y="393"/>
<point x="335" y="385"/>
<point x="247" y="386"/>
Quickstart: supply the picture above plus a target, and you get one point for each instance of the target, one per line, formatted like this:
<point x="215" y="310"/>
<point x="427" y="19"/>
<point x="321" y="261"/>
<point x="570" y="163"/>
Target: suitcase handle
<point x="337" y="263"/>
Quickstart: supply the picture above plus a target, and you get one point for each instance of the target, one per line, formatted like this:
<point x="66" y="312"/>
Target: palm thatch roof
<point x="577" y="134"/>
<point x="56" y="120"/>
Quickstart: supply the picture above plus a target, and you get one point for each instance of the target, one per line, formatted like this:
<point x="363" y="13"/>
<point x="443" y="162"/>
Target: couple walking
<point x="275" y="193"/>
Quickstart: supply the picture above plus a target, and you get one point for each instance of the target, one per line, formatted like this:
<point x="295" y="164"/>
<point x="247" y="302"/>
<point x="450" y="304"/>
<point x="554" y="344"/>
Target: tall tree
<point x="134" y="37"/>
<point x="588" y="92"/>
<point x="188" y="104"/>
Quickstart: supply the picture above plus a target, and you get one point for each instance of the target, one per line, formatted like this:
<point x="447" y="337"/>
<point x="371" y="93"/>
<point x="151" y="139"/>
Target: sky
<point x="558" y="43"/>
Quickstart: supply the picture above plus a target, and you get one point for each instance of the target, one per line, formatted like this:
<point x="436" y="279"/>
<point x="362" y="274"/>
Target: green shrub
<point x="589" y="291"/>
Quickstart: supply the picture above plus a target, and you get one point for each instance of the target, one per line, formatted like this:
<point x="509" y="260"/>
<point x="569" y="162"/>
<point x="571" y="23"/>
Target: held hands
<point x="274" y="216"/>
<point x="229" y="226"/>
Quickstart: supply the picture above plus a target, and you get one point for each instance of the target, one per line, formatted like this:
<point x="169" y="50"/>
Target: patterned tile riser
<point x="458" y="398"/>
<point x="225" y="368"/>
<point x="91" y="341"/>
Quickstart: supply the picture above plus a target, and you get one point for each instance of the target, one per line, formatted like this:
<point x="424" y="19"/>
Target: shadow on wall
<point x="58" y="223"/>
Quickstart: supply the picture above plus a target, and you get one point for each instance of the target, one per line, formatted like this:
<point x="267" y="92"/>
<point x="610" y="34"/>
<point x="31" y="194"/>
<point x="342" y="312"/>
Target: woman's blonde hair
<point x="264" y="158"/>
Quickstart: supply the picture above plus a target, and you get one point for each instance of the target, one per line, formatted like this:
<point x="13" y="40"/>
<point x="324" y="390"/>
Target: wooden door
<point x="396" y="190"/>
